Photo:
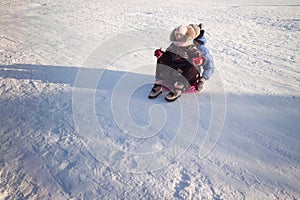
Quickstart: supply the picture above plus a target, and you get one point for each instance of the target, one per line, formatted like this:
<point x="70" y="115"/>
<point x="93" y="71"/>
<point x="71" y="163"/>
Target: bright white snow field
<point x="76" y="123"/>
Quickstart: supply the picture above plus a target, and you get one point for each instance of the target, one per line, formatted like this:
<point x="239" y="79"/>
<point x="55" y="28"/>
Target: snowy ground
<point x="76" y="122"/>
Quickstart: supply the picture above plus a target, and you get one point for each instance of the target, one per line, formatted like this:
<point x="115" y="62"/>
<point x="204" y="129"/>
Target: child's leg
<point x="192" y="77"/>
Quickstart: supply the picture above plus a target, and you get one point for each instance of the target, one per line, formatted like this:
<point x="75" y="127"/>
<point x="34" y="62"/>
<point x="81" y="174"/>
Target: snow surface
<point x="76" y="122"/>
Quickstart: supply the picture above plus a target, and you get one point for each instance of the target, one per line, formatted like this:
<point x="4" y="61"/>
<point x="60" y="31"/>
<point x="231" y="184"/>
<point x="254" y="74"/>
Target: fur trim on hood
<point x="192" y="32"/>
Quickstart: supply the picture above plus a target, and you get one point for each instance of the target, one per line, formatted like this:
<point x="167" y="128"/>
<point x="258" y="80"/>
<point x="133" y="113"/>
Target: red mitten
<point x="198" y="61"/>
<point x="158" y="53"/>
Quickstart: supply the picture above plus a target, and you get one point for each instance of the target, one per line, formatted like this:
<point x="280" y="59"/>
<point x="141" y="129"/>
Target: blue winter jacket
<point x="209" y="66"/>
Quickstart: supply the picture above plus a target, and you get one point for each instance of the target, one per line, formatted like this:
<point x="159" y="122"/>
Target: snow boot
<point x="155" y="91"/>
<point x="175" y="92"/>
<point x="172" y="96"/>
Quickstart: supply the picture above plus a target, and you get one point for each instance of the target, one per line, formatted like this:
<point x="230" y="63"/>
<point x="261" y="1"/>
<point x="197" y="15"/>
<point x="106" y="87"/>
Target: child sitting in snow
<point x="177" y="67"/>
<point x="208" y="65"/>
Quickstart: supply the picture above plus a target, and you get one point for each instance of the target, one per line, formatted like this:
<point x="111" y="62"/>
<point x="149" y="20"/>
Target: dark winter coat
<point x="180" y="57"/>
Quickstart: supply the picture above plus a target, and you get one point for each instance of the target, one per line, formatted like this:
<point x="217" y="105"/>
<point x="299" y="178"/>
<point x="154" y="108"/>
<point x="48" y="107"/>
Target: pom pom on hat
<point x="182" y="29"/>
